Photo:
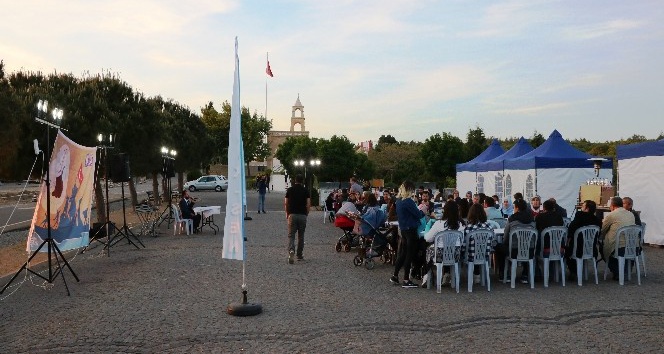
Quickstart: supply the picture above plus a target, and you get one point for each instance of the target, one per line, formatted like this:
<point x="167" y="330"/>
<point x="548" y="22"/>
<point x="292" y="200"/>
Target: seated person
<point x="617" y="218"/>
<point x="187" y="209"/>
<point x="547" y="218"/>
<point x="450" y="221"/>
<point x="477" y="219"/>
<point x="522" y="217"/>
<point x="558" y="209"/>
<point x="426" y="205"/>
<point x="490" y="209"/>
<point x="348" y="207"/>
<point x="535" y="206"/>
<point x="628" y="204"/>
<point x="585" y="217"/>
<point x="506" y="209"/>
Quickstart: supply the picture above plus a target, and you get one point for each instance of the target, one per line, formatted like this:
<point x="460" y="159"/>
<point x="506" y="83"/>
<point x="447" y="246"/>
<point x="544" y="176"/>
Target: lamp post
<point x="105" y="142"/>
<point x="313" y="163"/>
<point x="167" y="171"/>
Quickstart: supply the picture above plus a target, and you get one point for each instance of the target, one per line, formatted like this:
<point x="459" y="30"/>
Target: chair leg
<point x="470" y="276"/>
<point x="513" y="281"/>
<point x="595" y="268"/>
<point x="532" y="273"/>
<point x="562" y="270"/>
<point x="643" y="261"/>
<point x="439" y="277"/>
<point x="606" y="269"/>
<point x="488" y="279"/>
<point x="456" y="276"/>
<point x="579" y="271"/>
<point x="546" y="272"/>
<point x="621" y="270"/>
<point x="638" y="270"/>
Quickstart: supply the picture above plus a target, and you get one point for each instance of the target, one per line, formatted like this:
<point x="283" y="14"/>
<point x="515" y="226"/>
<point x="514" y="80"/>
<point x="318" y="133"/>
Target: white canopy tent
<point x="640" y="167"/>
<point x="466" y="173"/>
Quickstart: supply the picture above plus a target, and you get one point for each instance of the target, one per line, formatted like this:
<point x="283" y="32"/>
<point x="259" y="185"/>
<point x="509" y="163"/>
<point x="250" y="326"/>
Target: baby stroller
<point x="375" y="239"/>
<point x="348" y="239"/>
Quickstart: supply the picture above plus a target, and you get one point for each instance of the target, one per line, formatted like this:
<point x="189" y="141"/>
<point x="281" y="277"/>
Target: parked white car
<point x="217" y="182"/>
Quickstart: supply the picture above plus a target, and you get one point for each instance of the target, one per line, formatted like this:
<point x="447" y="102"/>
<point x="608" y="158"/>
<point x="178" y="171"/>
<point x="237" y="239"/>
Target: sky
<point x="590" y="69"/>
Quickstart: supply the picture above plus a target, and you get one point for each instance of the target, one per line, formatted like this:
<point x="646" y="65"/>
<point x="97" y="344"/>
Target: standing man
<point x="262" y="189"/>
<point x="297" y="204"/>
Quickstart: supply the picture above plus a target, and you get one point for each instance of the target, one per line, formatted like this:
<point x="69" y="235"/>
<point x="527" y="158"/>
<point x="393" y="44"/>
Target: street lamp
<point x="105" y="142"/>
<point x="167" y="171"/>
<point x="313" y="163"/>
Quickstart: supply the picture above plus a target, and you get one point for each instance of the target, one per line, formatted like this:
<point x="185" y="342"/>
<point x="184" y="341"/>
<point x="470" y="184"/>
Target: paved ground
<point x="172" y="297"/>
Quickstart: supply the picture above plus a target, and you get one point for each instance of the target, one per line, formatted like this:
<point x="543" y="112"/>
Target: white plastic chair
<point x="641" y="250"/>
<point x="180" y="223"/>
<point x="446" y="250"/>
<point x="481" y="238"/>
<point x="632" y="235"/>
<point x="526" y="239"/>
<point x="557" y="236"/>
<point x="502" y="222"/>
<point x="589" y="235"/>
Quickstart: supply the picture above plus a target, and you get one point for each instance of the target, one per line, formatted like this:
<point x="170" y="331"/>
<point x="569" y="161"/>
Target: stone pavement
<point x="172" y="297"/>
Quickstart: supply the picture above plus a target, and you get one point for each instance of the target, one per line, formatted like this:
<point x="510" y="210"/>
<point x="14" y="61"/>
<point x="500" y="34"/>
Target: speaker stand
<point x="124" y="232"/>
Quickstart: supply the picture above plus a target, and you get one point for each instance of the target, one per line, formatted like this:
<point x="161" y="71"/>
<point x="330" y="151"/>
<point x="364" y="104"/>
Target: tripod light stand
<point x="167" y="171"/>
<point x="52" y="247"/>
<point x="122" y="175"/>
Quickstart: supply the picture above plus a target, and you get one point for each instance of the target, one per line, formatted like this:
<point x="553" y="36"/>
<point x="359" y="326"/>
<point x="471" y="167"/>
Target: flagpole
<point x="267" y="57"/>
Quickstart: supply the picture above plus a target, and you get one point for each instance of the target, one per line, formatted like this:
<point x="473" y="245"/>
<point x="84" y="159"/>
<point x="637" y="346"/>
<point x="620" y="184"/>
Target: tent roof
<point x="521" y="147"/>
<point x="648" y="148"/>
<point x="555" y="152"/>
<point x="492" y="151"/>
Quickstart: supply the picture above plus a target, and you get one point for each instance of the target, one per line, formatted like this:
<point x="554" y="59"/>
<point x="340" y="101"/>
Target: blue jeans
<point x="261" y="202"/>
<point x="296" y="223"/>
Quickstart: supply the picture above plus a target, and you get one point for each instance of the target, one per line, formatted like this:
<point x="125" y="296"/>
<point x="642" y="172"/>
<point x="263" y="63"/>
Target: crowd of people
<point x="420" y="216"/>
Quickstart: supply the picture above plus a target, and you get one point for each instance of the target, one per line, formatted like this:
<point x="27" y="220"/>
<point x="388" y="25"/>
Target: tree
<point x="297" y="147"/>
<point x="385" y="139"/>
<point x="537" y="139"/>
<point x="338" y="159"/>
<point x="476" y="142"/>
<point x="254" y="129"/>
<point x="398" y="162"/>
<point x="442" y="153"/>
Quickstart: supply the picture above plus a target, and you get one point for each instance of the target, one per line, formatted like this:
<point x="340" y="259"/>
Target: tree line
<point x="104" y="103"/>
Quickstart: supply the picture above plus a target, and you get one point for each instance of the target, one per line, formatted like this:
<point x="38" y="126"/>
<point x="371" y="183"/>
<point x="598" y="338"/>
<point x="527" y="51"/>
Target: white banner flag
<point x="234" y="225"/>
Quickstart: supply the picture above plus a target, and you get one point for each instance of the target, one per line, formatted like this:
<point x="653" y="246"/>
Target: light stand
<point x="313" y="163"/>
<point x="167" y="172"/>
<point x="106" y="142"/>
<point x="124" y="232"/>
<point x="42" y="113"/>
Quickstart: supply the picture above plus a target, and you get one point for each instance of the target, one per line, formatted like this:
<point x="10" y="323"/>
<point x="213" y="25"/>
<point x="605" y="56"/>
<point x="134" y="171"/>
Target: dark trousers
<point x="407" y="252"/>
<point x="613" y="261"/>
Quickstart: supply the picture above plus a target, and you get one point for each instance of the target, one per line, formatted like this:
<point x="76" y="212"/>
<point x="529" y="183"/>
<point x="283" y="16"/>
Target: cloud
<point x="596" y="30"/>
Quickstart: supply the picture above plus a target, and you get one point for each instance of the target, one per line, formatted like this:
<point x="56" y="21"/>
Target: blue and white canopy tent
<point x="555" y="169"/>
<point x="466" y="173"/>
<point x="491" y="173"/>
<point x="640" y="168"/>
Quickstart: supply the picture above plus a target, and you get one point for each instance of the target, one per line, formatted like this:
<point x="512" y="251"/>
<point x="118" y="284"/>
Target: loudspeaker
<point x="168" y="167"/>
<point x="120" y="168"/>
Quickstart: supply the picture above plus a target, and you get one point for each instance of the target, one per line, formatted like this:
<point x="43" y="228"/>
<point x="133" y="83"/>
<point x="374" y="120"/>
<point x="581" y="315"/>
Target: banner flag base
<point x="244" y="308"/>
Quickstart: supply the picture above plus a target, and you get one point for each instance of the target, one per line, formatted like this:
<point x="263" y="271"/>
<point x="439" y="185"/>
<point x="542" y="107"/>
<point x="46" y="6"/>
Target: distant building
<point x="364" y="147"/>
<point x="276" y="137"/>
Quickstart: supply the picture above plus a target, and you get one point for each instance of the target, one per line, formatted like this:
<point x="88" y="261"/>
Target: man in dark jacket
<point x="585" y="217"/>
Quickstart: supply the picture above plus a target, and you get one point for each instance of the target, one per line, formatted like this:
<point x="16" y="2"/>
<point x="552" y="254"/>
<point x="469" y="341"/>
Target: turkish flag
<point x="268" y="70"/>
